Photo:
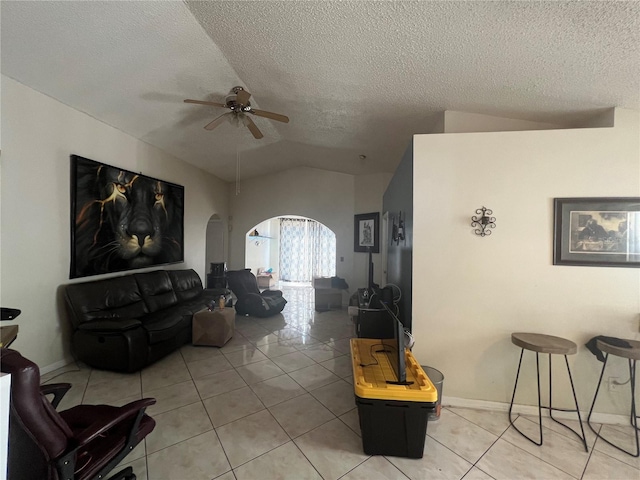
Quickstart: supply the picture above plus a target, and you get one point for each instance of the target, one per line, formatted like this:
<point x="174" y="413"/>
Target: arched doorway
<point x="295" y="248"/>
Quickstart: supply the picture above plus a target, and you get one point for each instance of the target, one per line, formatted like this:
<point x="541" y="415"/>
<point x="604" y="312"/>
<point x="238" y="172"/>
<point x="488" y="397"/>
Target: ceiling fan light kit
<point x="237" y="101"/>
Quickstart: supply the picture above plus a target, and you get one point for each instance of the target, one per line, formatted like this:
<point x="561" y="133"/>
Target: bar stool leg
<point x="604" y="365"/>
<point x="582" y="437"/>
<point x="515" y="386"/>
<point x="633" y="419"/>
<point x="550" y="406"/>
<point x="634" y="412"/>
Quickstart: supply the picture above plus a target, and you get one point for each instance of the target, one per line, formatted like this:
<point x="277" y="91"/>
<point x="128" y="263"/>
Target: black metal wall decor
<point x="121" y="220"/>
<point x="397" y="229"/>
<point x="483" y="221"/>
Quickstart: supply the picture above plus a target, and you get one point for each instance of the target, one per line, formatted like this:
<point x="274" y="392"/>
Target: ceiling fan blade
<point x="217" y="121"/>
<point x="242" y="97"/>
<point x="270" y="115"/>
<point x="201" y="102"/>
<point x="253" y="128"/>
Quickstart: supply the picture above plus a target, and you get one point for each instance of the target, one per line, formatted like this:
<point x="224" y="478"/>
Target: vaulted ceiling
<point x="355" y="77"/>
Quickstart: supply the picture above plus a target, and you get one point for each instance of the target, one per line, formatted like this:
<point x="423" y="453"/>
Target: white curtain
<point x="307" y="250"/>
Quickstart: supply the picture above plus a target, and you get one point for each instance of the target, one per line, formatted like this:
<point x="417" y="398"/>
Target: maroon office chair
<point x="81" y="443"/>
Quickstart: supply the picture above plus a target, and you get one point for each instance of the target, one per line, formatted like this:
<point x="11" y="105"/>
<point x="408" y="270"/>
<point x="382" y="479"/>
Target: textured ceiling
<point x="354" y="77"/>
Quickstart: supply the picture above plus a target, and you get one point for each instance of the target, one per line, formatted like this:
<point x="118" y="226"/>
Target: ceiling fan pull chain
<point x="237" y="168"/>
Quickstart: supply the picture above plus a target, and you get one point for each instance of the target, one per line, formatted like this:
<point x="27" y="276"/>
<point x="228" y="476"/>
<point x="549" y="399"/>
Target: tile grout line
<point x="291" y="439"/>
<point x="527" y="419"/>
<point x="539" y="458"/>
<point x="611" y="456"/>
<point x="593" y="448"/>
<point x="226" y="456"/>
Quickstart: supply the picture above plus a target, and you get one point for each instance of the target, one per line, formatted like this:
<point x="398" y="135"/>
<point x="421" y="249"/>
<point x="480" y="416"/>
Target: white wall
<point x="258" y="249"/>
<point x="470" y="293"/>
<point x="328" y="197"/>
<point x="39" y="134"/>
<point x="369" y="190"/>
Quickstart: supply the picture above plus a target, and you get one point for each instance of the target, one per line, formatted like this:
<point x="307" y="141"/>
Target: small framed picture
<point x="367" y="233"/>
<point x="600" y="232"/>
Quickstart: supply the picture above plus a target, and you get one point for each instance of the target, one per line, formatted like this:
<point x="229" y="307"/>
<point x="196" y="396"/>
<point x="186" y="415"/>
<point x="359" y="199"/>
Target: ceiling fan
<point x="237" y="101"/>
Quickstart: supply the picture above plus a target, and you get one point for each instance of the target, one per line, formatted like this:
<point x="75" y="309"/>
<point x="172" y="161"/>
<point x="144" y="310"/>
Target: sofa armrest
<point x="110" y="325"/>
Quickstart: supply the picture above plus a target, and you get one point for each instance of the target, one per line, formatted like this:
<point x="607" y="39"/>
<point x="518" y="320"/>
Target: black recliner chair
<point x="81" y="443"/>
<point x="251" y="301"/>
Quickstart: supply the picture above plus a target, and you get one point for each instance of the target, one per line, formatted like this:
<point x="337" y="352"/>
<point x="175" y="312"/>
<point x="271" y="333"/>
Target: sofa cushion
<point x="186" y="284"/>
<point x="156" y="289"/>
<point x="166" y="324"/>
<point x="106" y="299"/>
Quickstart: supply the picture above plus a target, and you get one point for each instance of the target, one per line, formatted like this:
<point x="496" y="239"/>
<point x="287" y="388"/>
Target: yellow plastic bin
<point x="393" y="418"/>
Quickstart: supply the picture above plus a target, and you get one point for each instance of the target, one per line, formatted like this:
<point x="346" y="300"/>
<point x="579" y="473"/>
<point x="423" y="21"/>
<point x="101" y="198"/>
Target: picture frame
<point x="366" y="237"/>
<point x="122" y="220"/>
<point x="597" y="231"/>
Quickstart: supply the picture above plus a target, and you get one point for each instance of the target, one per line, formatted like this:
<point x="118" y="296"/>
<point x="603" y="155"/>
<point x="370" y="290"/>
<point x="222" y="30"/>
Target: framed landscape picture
<point x="597" y="231"/>
<point x="367" y="233"/>
<point x="122" y="220"/>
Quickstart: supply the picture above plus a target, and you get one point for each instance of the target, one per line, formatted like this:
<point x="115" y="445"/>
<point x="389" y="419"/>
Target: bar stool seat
<point x="550" y="345"/>
<point x="632" y="355"/>
<point x="538" y="342"/>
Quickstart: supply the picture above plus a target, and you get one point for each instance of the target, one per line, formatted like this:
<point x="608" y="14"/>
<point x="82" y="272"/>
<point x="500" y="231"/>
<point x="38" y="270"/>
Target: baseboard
<point x="55" y="366"/>
<point x="608" y="418"/>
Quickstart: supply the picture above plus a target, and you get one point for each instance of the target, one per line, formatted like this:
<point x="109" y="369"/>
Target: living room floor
<point x="277" y="402"/>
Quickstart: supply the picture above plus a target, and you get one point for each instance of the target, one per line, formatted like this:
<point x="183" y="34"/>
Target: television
<point x="395" y="349"/>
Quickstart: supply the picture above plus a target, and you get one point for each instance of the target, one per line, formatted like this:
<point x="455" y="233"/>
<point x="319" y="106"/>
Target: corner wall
<point x="38" y="136"/>
<point x="472" y="292"/>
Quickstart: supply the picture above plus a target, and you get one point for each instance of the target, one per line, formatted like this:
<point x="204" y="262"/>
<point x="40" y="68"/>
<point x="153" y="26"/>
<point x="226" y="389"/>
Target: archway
<point x="294" y="248"/>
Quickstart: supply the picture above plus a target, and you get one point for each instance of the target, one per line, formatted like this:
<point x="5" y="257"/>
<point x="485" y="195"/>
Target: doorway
<point x="296" y="249"/>
<point x="214" y="250"/>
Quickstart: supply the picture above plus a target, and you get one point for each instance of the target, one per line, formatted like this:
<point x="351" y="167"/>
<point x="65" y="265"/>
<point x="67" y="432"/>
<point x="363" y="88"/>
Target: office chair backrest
<point x="37" y="433"/>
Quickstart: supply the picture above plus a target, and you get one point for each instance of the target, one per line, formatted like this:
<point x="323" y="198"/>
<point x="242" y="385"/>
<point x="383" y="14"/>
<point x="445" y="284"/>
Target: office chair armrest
<point x="58" y="390"/>
<point x="129" y="410"/>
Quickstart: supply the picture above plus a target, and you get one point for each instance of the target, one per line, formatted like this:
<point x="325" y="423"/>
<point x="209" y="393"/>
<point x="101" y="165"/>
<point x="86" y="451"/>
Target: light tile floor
<point x="277" y="402"/>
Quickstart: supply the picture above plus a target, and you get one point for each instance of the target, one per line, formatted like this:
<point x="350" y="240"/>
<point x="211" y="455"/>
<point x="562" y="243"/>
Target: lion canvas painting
<point x="122" y="220"/>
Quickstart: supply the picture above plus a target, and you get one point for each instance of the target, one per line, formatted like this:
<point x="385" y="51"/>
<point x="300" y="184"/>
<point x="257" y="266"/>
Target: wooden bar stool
<point x="550" y="345"/>
<point x="631" y="354"/>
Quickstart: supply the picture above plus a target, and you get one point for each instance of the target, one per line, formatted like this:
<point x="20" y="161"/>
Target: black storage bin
<point x="392" y="427"/>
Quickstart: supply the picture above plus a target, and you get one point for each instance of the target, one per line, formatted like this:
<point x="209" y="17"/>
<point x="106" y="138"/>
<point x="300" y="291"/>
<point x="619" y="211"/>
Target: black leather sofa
<point x="125" y="323"/>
